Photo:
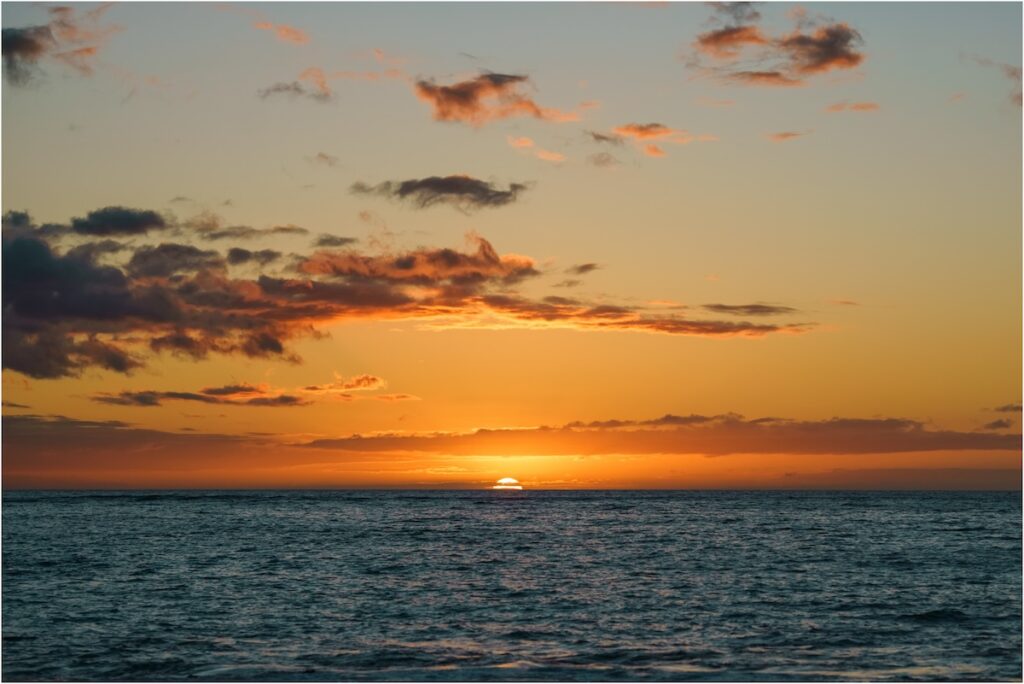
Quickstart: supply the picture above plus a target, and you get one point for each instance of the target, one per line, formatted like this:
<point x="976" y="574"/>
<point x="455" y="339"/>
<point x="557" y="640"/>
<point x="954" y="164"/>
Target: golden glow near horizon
<point x="397" y="246"/>
<point x="508" y="483"/>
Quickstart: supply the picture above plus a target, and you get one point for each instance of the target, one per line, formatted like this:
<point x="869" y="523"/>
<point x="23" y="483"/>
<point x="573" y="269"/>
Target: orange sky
<point x="330" y="245"/>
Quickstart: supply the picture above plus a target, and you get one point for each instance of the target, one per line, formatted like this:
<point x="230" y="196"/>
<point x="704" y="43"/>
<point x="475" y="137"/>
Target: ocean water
<point x="371" y="585"/>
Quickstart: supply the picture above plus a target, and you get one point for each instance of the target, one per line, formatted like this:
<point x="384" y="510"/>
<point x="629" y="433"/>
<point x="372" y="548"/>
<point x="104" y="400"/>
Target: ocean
<point x="483" y="585"/>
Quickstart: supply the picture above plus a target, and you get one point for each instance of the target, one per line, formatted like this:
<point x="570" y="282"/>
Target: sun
<point x="508" y="483"/>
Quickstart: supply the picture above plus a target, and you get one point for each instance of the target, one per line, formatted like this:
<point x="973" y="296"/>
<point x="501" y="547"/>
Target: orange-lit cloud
<point x="824" y="49"/>
<point x="487" y="97"/>
<point x="316" y="77"/>
<point x="548" y="155"/>
<point x="519" y="142"/>
<point x="783" y="136"/>
<point x="813" y="47"/>
<point x="774" y="79"/>
<point x="647" y="134"/>
<point x="107" y="302"/>
<point x="853" y="107"/>
<point x="57" y="451"/>
<point x="284" y="32"/>
<point x="726" y="43"/>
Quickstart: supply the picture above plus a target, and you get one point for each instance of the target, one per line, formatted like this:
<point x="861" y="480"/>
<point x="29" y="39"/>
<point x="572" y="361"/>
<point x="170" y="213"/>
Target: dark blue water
<point x="487" y="585"/>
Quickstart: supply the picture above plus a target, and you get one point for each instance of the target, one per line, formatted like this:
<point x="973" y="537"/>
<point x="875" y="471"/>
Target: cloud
<point x="69" y="38"/>
<point x="602" y="160"/>
<point x="22" y="50"/>
<point x="355" y="383"/>
<point x="169" y="258"/>
<point x="726" y="43"/>
<point x="519" y="142"/>
<point x="238" y="256"/>
<point x="645" y="135"/>
<point x="294" y="89"/>
<point x="325" y="240"/>
<point x="582" y="269"/>
<point x="1001" y="424"/>
<point x="152" y="399"/>
<point x="766" y="78"/>
<point x="717" y="435"/>
<point x="824" y="49"/>
<point x="247" y="394"/>
<point x="325" y="159"/>
<point x="485" y="98"/>
<point x="118" y="221"/>
<point x="1013" y="73"/>
<point x="853" y="107"/>
<point x="518" y="311"/>
<point x="571" y="282"/>
<point x="284" y="32"/>
<point x="426" y="266"/>
<point x="749" y="309"/>
<point x="739" y="51"/>
<point x="209" y="226"/>
<point x="783" y="136"/>
<point x="605" y="138"/>
<point x="112" y="304"/>
<point x="1008" y="408"/>
<point x="462" y="192"/>
<point x="549" y="156"/>
<point x="735" y="12"/>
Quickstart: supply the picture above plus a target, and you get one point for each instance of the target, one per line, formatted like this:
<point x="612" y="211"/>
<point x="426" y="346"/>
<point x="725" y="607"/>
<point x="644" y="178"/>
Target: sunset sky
<point x="584" y="245"/>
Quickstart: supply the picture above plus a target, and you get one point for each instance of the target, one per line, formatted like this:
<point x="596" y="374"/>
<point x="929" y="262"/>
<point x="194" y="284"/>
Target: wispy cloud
<point x="70" y="38"/>
<point x="853" y="107"/>
<point x="783" y="136"/>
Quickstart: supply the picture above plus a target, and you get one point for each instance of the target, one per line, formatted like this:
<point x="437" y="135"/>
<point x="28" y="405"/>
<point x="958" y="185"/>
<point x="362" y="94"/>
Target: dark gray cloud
<point x="582" y="269"/>
<point x="749" y="309"/>
<point x="1001" y="424"/>
<point x="326" y="240"/>
<point x="736" y="12"/>
<point x="607" y="138"/>
<point x="91" y="251"/>
<point x="118" y="221"/>
<point x="294" y="89"/>
<point x="11" y="404"/>
<point x="211" y="227"/>
<point x="169" y="258"/>
<point x="462" y="192"/>
<point x="238" y="256"/>
<point x="22" y="49"/>
<point x="1008" y="408"/>
<point x="150" y="398"/>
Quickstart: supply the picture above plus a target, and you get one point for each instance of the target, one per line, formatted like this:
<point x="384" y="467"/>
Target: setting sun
<point x="508" y="483"/>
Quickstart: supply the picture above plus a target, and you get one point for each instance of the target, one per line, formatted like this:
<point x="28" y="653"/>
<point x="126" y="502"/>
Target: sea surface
<point x="375" y="585"/>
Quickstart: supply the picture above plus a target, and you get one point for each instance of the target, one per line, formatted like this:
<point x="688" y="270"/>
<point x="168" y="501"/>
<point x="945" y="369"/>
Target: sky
<point x="585" y="245"/>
